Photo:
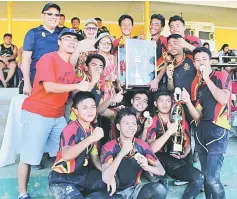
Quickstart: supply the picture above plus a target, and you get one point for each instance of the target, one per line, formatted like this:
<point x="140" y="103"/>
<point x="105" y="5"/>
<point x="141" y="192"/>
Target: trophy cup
<point x="137" y="77"/>
<point x="177" y="115"/>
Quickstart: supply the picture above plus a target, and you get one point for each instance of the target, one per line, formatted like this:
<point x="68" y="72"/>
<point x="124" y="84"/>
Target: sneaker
<point x="37" y="167"/>
<point x="26" y="196"/>
<point x="180" y="182"/>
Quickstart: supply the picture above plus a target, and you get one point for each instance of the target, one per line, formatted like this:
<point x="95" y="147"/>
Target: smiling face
<point x="68" y="43"/>
<point x="127" y="126"/>
<point x="90" y="30"/>
<point x="155" y="27"/>
<point x="163" y="104"/>
<point x="7" y="40"/>
<point x="126" y="27"/>
<point x="177" y="27"/>
<point x="51" y="18"/>
<point x="61" y="20"/>
<point x="173" y="47"/>
<point x="86" y="110"/>
<point x="105" y="44"/>
<point x="140" y="102"/>
<point x="75" y="24"/>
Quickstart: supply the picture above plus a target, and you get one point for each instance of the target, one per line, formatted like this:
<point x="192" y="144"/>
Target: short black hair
<point x="202" y="49"/>
<point x="124" y="112"/>
<point x="206" y="43"/>
<point x="124" y="17"/>
<point x="161" y="92"/>
<point x="174" y="36"/>
<point x="176" y="18"/>
<point x="80" y="96"/>
<point x="95" y="56"/>
<point x="75" y="18"/>
<point x="141" y="91"/>
<point x="7" y="35"/>
<point x="159" y="17"/>
<point x="98" y="19"/>
<point x="62" y="15"/>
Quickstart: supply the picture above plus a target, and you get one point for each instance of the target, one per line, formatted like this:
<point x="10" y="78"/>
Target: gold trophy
<point x="177" y="116"/>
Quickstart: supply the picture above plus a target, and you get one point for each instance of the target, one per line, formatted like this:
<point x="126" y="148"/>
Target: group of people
<point x="109" y="147"/>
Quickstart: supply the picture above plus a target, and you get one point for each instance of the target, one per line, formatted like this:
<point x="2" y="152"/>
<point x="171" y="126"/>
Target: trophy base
<point x="177" y="149"/>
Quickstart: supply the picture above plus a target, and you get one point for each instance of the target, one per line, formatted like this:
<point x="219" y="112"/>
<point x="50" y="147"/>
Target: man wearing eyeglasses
<point x="39" y="41"/>
<point x="43" y="112"/>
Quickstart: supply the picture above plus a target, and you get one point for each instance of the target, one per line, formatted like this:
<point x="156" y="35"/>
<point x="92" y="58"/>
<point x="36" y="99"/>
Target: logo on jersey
<point x="186" y="66"/>
<point x="69" y="189"/>
<point x="43" y="34"/>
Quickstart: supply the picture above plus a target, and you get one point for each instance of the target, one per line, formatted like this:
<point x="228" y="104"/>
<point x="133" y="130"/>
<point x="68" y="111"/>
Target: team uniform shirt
<point x="7" y="52"/>
<point x="73" y="170"/>
<point x="40" y="41"/>
<point x="50" y="68"/>
<point x="61" y="28"/>
<point x="159" y="127"/>
<point x="129" y="171"/>
<point x="212" y="110"/>
<point x="193" y="40"/>
<point x="185" y="76"/>
<point x="118" y="43"/>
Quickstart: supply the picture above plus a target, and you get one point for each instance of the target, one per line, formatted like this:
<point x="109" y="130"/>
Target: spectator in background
<point x="8" y="54"/>
<point x="39" y="41"/>
<point x="75" y="21"/>
<point x="101" y="29"/>
<point x="224" y="50"/>
<point x="43" y="111"/>
<point x="61" y="22"/>
<point x="206" y="45"/>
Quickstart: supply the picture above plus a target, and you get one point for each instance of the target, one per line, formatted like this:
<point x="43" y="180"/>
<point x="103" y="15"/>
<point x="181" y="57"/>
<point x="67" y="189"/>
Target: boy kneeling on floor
<point x="71" y="177"/>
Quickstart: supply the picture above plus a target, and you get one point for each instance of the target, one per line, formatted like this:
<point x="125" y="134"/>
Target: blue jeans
<point x="211" y="167"/>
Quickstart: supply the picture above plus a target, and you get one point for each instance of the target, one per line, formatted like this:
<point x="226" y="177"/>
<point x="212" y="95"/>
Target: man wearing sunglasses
<point x="39" y="41"/>
<point x="43" y="112"/>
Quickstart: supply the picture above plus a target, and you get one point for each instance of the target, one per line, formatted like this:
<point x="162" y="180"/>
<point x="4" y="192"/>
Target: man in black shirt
<point x="61" y="22"/>
<point x="75" y="21"/>
<point x="101" y="28"/>
<point x="8" y="54"/>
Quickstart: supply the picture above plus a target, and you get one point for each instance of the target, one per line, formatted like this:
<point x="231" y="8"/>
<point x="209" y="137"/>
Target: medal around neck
<point x="85" y="163"/>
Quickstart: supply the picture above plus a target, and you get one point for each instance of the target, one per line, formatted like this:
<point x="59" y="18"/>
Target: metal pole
<point x="147" y="19"/>
<point x="9" y="16"/>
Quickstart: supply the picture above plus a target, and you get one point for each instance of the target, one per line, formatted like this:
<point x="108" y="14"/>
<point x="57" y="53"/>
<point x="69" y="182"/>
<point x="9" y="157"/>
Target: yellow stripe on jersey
<point x="94" y="150"/>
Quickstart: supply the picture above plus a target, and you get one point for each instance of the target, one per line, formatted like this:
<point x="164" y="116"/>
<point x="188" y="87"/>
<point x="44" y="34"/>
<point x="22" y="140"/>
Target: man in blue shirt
<point x="39" y="41"/>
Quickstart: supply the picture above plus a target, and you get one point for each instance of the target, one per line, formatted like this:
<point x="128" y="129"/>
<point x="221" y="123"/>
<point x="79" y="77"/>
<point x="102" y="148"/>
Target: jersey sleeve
<point x="152" y="135"/>
<point x="67" y="137"/>
<point x="106" y="154"/>
<point x="29" y="41"/>
<point x="151" y="157"/>
<point x="226" y="80"/>
<point x="46" y="69"/>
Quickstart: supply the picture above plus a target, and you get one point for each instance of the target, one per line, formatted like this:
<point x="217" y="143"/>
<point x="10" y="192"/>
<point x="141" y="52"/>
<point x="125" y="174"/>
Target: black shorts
<point x="210" y="138"/>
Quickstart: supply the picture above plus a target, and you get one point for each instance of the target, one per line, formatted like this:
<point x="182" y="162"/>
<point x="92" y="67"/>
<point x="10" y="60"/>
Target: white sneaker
<point x="180" y="182"/>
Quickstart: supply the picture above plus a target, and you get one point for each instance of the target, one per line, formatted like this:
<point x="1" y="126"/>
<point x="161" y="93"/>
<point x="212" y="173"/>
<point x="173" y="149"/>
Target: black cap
<point x="67" y="31"/>
<point x="51" y="5"/>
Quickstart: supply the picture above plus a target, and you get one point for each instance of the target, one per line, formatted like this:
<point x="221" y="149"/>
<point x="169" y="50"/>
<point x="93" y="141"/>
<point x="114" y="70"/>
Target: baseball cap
<point x="67" y="31"/>
<point x="91" y="20"/>
<point x="51" y="5"/>
<point x="105" y="34"/>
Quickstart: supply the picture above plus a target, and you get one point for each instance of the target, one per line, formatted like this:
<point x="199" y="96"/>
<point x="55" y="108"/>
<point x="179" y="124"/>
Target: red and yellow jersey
<point x="71" y="135"/>
<point x="207" y="104"/>
<point x="129" y="171"/>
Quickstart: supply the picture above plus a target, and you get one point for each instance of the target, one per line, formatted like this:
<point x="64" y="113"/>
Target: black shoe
<point x="37" y="167"/>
